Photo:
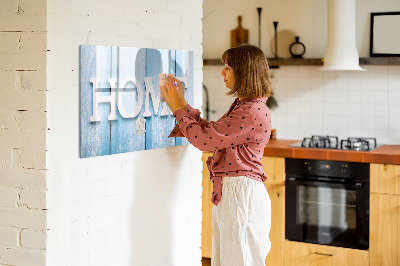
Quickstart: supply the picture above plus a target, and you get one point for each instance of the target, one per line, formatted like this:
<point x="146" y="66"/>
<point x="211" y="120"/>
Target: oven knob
<point x="308" y="166"/>
<point x="343" y="168"/>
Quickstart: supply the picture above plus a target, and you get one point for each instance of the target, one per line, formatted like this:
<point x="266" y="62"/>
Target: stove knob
<point x="343" y="168"/>
<point x="308" y="166"/>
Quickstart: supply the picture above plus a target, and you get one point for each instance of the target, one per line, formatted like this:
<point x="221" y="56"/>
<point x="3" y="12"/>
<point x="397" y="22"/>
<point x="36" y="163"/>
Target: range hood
<point x="341" y="51"/>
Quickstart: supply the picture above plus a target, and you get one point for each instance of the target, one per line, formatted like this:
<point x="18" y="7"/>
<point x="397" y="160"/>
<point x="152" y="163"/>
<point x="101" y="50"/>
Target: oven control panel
<point x="337" y="169"/>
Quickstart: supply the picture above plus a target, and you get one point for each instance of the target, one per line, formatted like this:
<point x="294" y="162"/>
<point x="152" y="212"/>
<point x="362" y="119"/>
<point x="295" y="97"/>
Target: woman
<point x="242" y="208"/>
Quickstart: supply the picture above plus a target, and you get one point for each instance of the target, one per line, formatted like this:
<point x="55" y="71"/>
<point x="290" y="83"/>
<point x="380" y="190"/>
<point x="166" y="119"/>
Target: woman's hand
<point x="174" y="93"/>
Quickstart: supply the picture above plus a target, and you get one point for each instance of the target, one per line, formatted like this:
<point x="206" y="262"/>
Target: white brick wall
<point x="23" y="128"/>
<point x="139" y="208"/>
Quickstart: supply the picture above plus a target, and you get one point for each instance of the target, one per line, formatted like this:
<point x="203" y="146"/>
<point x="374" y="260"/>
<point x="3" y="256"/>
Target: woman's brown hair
<point x="250" y="66"/>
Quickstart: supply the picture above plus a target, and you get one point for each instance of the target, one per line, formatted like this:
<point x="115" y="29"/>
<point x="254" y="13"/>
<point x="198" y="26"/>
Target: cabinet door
<point x="304" y="254"/>
<point x="274" y="168"/>
<point x="385" y="178"/>
<point x="206" y="232"/>
<point x="277" y="233"/>
<point x="384" y="230"/>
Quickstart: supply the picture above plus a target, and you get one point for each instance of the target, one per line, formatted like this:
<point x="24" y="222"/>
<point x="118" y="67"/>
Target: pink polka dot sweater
<point x="238" y="139"/>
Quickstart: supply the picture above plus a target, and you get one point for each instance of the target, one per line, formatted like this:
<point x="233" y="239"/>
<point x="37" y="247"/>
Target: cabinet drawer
<point x="297" y="254"/>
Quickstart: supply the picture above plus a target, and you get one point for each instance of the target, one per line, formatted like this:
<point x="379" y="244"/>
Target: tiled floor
<point x="206" y="261"/>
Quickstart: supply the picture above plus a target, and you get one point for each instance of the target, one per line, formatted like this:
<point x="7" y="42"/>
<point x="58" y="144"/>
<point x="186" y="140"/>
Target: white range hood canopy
<point x="341" y="51"/>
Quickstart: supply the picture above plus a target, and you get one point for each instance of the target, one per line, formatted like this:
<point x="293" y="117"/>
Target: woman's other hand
<point x="181" y="90"/>
<point x="174" y="93"/>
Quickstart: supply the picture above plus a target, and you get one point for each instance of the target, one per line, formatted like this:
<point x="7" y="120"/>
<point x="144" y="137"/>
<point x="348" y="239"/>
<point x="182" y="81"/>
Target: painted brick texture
<point x="138" y="208"/>
<point x="23" y="125"/>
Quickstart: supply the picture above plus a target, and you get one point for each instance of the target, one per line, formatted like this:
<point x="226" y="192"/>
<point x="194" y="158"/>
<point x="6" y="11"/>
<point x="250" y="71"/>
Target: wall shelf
<point x="380" y="61"/>
<point x="274" y="63"/>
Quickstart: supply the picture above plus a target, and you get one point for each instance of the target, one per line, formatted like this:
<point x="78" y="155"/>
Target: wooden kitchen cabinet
<point x="385" y="215"/>
<point x="384" y="236"/>
<point x="277" y="233"/>
<point x="206" y="225"/>
<point x="305" y="254"/>
<point x="274" y="168"/>
<point x="385" y="178"/>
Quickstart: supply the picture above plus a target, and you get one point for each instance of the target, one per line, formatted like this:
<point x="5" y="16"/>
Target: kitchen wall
<point x="23" y="125"/>
<point x="138" y="208"/>
<point x="343" y="103"/>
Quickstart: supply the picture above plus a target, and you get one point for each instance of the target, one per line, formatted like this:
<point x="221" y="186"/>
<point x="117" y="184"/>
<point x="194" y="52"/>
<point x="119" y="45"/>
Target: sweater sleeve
<point x="193" y="113"/>
<point x="231" y="130"/>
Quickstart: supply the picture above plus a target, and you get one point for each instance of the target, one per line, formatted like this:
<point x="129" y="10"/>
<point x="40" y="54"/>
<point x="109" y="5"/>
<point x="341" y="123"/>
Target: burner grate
<point x="327" y="142"/>
<point x="358" y="144"/>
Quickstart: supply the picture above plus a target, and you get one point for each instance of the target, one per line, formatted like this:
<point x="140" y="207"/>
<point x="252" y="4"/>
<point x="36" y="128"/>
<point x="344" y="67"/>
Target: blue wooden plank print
<point x="126" y="135"/>
<point x="184" y="71"/>
<point x="120" y="107"/>
<point x="159" y="120"/>
<point x="96" y="113"/>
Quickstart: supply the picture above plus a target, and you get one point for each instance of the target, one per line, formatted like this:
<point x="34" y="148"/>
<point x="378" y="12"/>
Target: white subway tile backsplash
<point x="303" y="82"/>
<point x="329" y="109"/>
<point x="342" y="109"/>
<point x="329" y="94"/>
<point x="381" y="122"/>
<point x="394" y="123"/>
<point x="382" y="136"/>
<point x="354" y="80"/>
<point x="342" y="81"/>
<point x="394" y="71"/>
<point x="317" y="120"/>
<point x="394" y="97"/>
<point x="394" y="82"/>
<point x="291" y="71"/>
<point x="355" y="122"/>
<point x="367" y="133"/>
<point x="329" y="123"/>
<point x="367" y="96"/>
<point x="316" y="82"/>
<point x="355" y="109"/>
<point x="304" y="72"/>
<point x="368" y="122"/>
<point x="355" y="96"/>
<point x="367" y="110"/>
<point x="342" y="122"/>
<point x="355" y="103"/>
<point x="381" y="110"/>
<point x="381" y="84"/>
<point x="355" y="132"/>
<point x="380" y="71"/>
<point x="394" y="137"/>
<point x="342" y="96"/>
<point x="316" y="72"/>
<point x="394" y="110"/>
<point x="292" y="83"/>
<point x="381" y="97"/>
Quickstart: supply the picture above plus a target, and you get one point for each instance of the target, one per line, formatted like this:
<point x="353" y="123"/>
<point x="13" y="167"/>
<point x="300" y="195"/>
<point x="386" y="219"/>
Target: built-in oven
<point x="327" y="202"/>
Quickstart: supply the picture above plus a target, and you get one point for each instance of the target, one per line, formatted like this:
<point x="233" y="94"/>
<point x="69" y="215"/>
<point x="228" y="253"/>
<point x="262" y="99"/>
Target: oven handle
<point x="357" y="185"/>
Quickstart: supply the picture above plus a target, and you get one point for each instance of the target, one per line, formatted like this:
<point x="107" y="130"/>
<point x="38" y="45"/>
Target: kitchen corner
<point x="381" y="194"/>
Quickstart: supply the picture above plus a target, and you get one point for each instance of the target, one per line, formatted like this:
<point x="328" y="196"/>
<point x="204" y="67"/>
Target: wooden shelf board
<point x="275" y="62"/>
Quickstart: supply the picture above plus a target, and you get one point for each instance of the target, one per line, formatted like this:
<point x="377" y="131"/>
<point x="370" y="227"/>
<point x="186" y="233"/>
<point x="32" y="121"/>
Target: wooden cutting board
<point x="239" y="35"/>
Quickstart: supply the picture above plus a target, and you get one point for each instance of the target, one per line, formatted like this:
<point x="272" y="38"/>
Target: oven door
<point x="327" y="213"/>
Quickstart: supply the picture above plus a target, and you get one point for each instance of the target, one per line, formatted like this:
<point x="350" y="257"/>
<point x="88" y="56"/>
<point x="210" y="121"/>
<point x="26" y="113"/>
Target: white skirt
<point x="241" y="223"/>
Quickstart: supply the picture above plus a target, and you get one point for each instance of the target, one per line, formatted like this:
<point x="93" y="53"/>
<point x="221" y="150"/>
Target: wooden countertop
<point x="389" y="154"/>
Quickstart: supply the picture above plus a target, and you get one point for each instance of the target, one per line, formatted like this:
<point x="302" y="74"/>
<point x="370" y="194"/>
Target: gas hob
<point x="332" y="142"/>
